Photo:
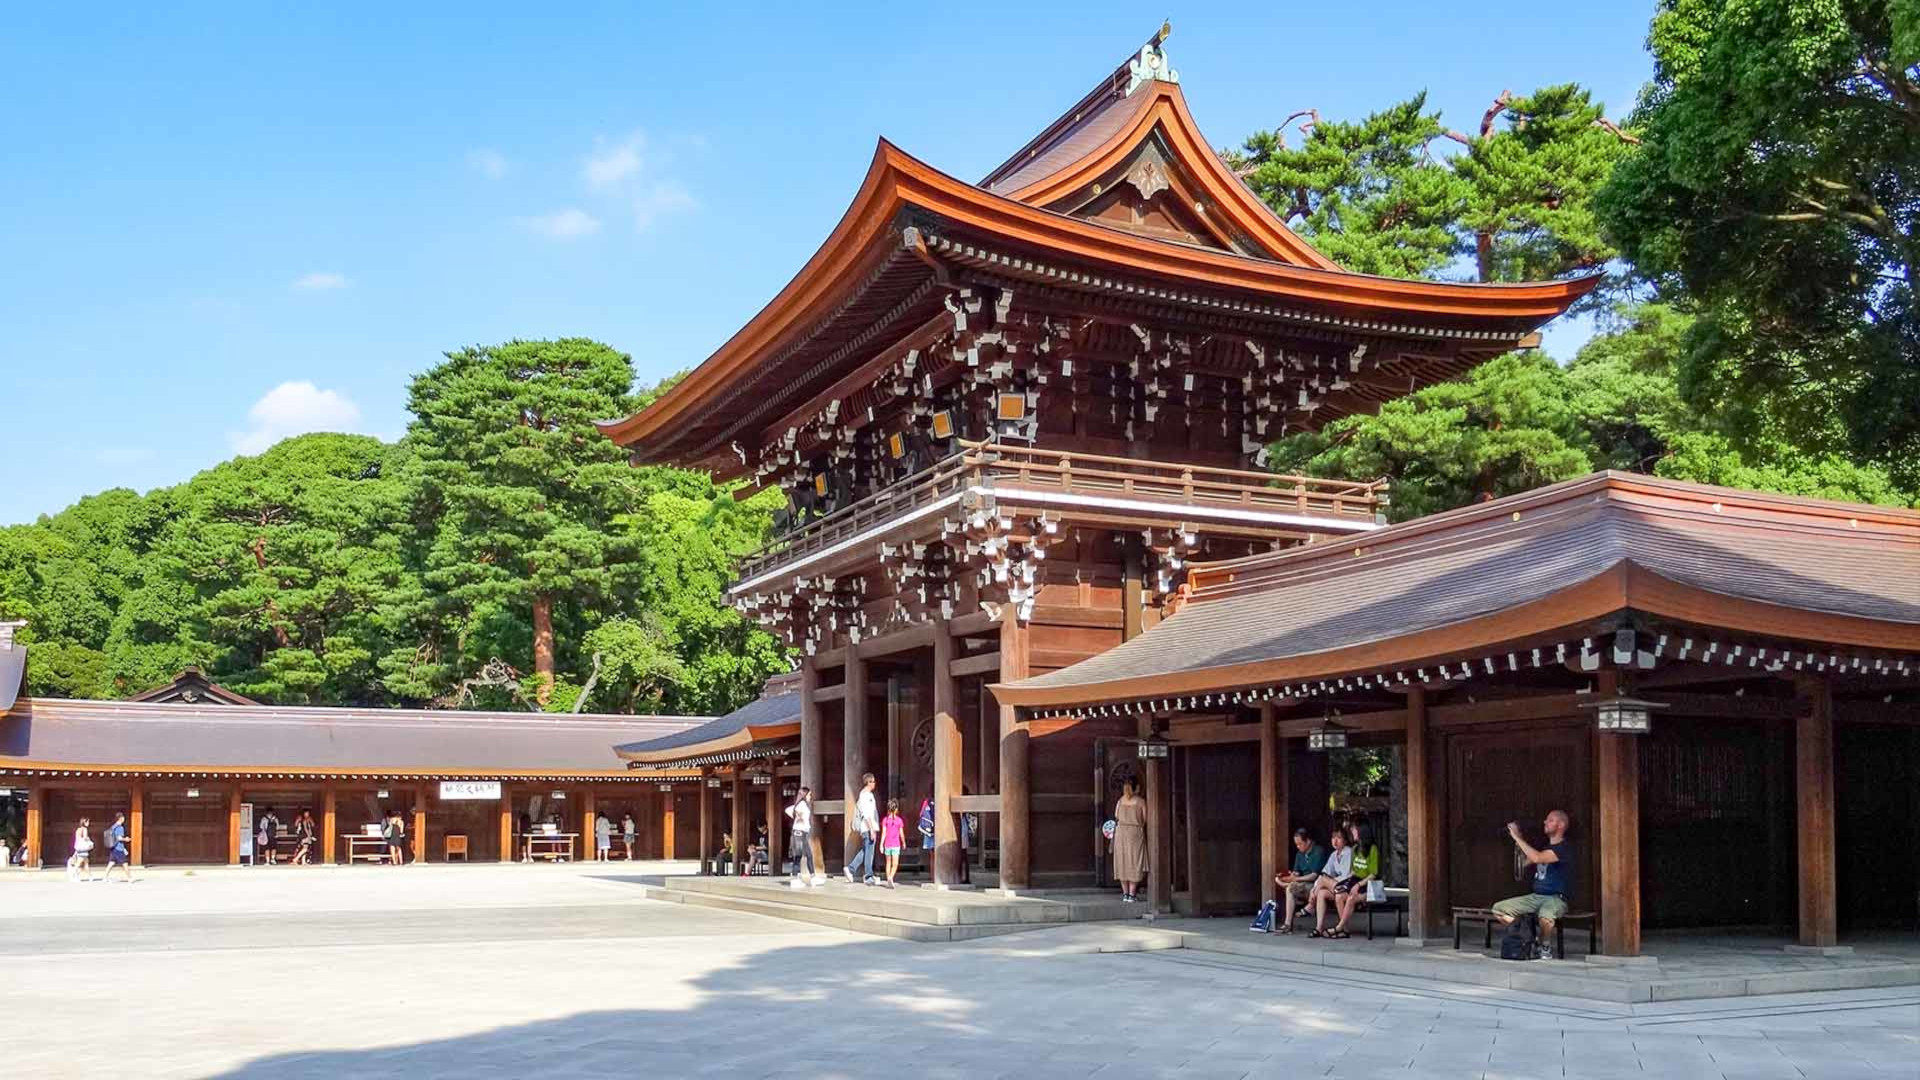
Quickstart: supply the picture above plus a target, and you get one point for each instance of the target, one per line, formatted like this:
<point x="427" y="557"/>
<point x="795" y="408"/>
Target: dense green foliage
<point x="1385" y="196"/>
<point x="1523" y="420"/>
<point x="337" y="569"/>
<point x="1777" y="191"/>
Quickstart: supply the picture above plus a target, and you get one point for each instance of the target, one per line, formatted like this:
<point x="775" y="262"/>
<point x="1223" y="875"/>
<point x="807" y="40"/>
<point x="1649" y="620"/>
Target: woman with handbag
<point x="1130" y="842"/>
<point x="79" y="864"/>
<point x="804" y="871"/>
<point x="1335" y="881"/>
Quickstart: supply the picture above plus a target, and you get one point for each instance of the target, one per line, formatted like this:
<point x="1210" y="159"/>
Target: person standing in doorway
<point x="866" y="823"/>
<point x="602" y="838"/>
<point x="925" y="826"/>
<point x="268" y="829"/>
<point x="79" y="864"/>
<point x="1130" y="841"/>
<point x="1552" y="880"/>
<point x="117" y="853"/>
<point x="801" y="814"/>
<point x="893" y="838"/>
<point x="627" y="832"/>
<point x="304" y="834"/>
<point x="396" y="835"/>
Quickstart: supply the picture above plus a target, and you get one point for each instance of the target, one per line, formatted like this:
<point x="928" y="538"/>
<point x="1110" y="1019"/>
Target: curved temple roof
<point x="1564" y="556"/>
<point x="874" y="271"/>
<point x="774" y="716"/>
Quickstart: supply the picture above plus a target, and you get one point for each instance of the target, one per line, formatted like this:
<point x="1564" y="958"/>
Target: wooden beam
<point x="137" y="824"/>
<point x="980" y="664"/>
<point x="233" y="826"/>
<point x="948" y="760"/>
<point x="742" y="820"/>
<point x="1270" y="835"/>
<point x="504" y="826"/>
<point x="972" y="624"/>
<point x="419" y="824"/>
<point x="830" y="693"/>
<point x="1090" y="618"/>
<point x="1015" y="775"/>
<point x="1132" y="596"/>
<point x="853" y="748"/>
<point x="776" y="830"/>
<point x="812" y="752"/>
<point x="1427" y="908"/>
<point x="36" y="824"/>
<point x="1617" y="782"/>
<point x="1159" y="830"/>
<point x="1813" y="774"/>
<point x="980" y="804"/>
<point x="830" y="658"/>
<point x="329" y="822"/>
<point x="666" y="825"/>
<point x="913" y="637"/>
<point x="706" y="822"/>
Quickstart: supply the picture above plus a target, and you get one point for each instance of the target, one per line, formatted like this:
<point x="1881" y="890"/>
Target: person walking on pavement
<point x="866" y="822"/>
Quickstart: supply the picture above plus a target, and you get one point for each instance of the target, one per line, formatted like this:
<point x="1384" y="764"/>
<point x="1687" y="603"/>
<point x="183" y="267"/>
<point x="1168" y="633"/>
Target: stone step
<point x="913" y="904"/>
<point x="857" y="922"/>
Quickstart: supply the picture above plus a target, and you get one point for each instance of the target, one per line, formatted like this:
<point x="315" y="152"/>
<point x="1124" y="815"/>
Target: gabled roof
<point x="50" y="733"/>
<point x="1481" y="578"/>
<point x="194" y="688"/>
<point x="875" y="279"/>
<point x="776" y="716"/>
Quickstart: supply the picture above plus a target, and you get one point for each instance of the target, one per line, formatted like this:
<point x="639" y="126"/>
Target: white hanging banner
<point x="469" y="789"/>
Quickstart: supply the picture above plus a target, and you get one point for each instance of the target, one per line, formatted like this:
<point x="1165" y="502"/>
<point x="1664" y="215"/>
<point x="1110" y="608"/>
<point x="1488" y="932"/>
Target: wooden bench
<point x="1586" y="921"/>
<point x="454" y="844"/>
<point x="1395" y="902"/>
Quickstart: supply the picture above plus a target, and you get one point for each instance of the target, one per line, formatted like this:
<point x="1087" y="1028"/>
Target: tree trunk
<point x="1397" y="817"/>
<point x="259" y="550"/>
<point x="542" y="648"/>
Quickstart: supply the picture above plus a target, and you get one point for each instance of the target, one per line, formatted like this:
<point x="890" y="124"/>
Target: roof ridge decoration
<point x="1151" y="63"/>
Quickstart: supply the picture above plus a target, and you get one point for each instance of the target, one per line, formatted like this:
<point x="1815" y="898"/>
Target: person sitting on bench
<point x="1552" y="874"/>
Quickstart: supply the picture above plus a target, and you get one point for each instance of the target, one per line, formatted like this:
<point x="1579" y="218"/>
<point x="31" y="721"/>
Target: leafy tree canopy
<point x="1776" y="194"/>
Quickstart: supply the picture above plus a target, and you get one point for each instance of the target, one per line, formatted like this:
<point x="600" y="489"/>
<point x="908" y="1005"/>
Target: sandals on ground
<point x="1339" y="935"/>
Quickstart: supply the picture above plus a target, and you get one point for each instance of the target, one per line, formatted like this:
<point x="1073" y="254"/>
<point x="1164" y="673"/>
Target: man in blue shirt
<point x="1552" y="879"/>
<point x="117" y="853"/>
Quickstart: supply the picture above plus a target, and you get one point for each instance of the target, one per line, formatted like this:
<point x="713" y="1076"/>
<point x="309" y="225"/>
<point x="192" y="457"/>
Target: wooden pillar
<point x="853" y="748"/>
<point x="1273" y="844"/>
<point x="1617" y="787"/>
<point x="233" y="826"/>
<point x="1283" y="823"/>
<point x="1159" y="830"/>
<point x="505" y="824"/>
<point x="137" y="824"/>
<point x="1813" y="776"/>
<point x="742" y="820"/>
<point x="666" y="825"/>
<point x="36" y="824"/>
<point x="706" y="821"/>
<point x="329" y="822"/>
<point x="776" y="834"/>
<point x="812" y="753"/>
<point x="947" y="760"/>
<point x="1132" y="595"/>
<point x="419" y="825"/>
<point x="1427" y="908"/>
<point x="1016" y="791"/>
<point x="589" y="834"/>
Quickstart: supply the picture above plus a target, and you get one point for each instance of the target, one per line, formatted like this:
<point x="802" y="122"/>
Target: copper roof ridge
<point x="1102" y="97"/>
<point x="153" y="711"/>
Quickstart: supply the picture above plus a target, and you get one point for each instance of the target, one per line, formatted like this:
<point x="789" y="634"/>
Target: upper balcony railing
<point x="1003" y="466"/>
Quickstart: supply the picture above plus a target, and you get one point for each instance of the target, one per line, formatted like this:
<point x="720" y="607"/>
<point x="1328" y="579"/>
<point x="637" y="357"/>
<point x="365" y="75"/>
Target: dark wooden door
<point x="1223" y="799"/>
<point x="1516" y="776"/>
<point x="1716" y="821"/>
<point x="1878" y="798"/>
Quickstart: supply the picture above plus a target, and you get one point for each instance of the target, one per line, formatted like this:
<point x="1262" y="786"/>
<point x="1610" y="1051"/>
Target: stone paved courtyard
<point x="513" y="971"/>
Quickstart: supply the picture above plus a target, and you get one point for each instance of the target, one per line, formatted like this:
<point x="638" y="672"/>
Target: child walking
<point x="893" y="837"/>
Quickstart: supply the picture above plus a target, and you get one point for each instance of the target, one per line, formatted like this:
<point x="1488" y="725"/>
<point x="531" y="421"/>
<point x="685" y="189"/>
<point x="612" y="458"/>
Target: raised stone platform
<point x="1676" y="968"/>
<point x="910" y="911"/>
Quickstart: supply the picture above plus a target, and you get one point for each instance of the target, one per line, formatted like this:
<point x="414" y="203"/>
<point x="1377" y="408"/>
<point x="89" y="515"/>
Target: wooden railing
<point x="1001" y="465"/>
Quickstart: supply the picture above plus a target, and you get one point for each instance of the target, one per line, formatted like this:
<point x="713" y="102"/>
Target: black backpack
<point x="1518" y="942"/>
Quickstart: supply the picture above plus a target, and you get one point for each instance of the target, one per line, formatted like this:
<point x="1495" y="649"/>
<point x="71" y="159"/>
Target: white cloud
<point x="489" y="163"/>
<point x="662" y="198"/>
<point x="569" y="224"/>
<point x="320" y="281"/>
<point x="293" y="408"/>
<point x="613" y="163"/>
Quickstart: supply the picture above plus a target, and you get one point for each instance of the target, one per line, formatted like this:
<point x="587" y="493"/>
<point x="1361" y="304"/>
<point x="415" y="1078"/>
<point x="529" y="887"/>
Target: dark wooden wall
<point x="1877" y="786"/>
<point x="1497" y="777"/>
<point x="1716" y="824"/>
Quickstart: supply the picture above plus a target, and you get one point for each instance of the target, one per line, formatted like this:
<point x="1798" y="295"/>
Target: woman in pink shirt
<point x="893" y="837"/>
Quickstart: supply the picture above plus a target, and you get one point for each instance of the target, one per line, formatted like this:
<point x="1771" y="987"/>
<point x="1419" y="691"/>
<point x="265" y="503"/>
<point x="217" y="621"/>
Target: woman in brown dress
<point x="1130" y="842"/>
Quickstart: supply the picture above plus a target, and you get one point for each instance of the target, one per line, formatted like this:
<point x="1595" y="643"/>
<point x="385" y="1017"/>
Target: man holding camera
<point x="1552" y="876"/>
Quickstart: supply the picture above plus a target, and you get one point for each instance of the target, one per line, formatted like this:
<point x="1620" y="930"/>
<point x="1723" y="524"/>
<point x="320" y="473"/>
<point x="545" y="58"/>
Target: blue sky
<point x="222" y="224"/>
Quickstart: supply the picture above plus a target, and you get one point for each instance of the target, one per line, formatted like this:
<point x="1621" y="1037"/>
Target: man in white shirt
<point x="866" y="822"/>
